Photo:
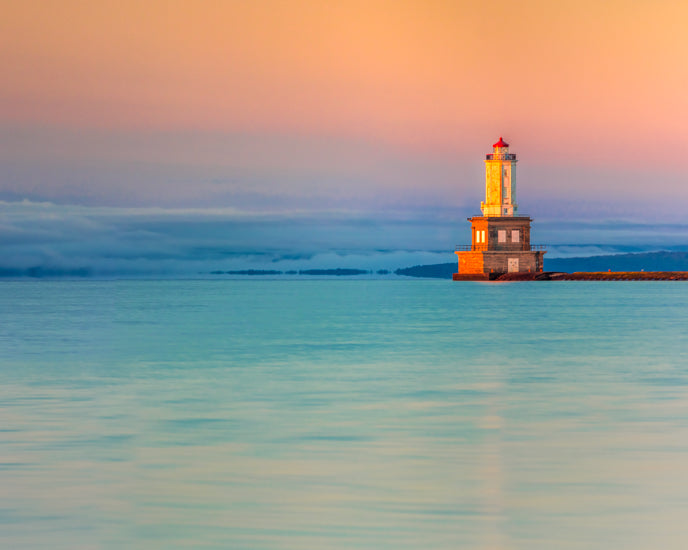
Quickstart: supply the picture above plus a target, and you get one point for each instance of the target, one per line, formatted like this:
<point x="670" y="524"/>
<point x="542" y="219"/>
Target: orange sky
<point x="560" y="79"/>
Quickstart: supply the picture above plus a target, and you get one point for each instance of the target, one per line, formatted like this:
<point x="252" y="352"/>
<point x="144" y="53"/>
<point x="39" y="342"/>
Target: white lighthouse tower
<point x="500" y="182"/>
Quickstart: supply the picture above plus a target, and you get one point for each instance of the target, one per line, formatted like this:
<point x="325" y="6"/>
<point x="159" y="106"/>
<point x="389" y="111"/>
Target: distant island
<point x="248" y="272"/>
<point x="337" y="272"/>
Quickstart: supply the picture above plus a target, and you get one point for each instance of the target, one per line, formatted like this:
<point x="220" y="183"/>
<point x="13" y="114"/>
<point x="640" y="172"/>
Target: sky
<point x="330" y="115"/>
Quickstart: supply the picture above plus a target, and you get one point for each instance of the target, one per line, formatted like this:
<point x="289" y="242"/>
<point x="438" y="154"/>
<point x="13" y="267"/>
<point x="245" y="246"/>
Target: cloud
<point x="249" y="171"/>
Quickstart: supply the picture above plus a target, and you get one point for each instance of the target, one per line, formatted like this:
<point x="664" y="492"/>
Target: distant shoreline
<point x="336" y="272"/>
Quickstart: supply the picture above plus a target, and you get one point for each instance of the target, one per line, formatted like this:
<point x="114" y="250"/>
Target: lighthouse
<point x="500" y="239"/>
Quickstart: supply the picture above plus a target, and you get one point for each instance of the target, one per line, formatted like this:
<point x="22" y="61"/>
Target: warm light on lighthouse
<point x="500" y="182"/>
<point x="500" y="241"/>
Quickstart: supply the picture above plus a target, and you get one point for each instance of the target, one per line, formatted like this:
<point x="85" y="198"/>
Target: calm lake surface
<point x="339" y="414"/>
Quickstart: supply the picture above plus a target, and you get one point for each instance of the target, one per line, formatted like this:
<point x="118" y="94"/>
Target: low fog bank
<point x="45" y="239"/>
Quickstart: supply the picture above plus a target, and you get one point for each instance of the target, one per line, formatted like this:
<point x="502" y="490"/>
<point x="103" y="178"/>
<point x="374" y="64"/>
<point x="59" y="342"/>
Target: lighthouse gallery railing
<point x="484" y="248"/>
<point x="500" y="156"/>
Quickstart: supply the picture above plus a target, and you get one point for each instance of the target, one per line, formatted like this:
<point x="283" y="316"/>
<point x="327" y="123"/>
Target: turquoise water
<point x="343" y="414"/>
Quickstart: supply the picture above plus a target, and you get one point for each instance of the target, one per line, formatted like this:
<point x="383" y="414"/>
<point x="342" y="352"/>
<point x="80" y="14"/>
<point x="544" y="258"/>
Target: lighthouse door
<point x="513" y="265"/>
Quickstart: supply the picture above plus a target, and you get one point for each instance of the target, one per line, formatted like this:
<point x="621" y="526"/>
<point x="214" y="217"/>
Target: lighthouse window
<point x="501" y="236"/>
<point x="515" y="236"/>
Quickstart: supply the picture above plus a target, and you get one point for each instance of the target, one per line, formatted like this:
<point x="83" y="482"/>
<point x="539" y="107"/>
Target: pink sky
<point x="342" y="103"/>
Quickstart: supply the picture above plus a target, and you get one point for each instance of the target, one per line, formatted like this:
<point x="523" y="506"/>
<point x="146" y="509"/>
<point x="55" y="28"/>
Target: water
<point x="343" y="414"/>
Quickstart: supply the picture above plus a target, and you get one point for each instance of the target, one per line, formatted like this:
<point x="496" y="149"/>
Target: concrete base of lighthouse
<point x="490" y="265"/>
<point x="500" y="244"/>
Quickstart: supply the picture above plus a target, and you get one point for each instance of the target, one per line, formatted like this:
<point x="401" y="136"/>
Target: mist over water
<point x="59" y="240"/>
<point x="343" y="414"/>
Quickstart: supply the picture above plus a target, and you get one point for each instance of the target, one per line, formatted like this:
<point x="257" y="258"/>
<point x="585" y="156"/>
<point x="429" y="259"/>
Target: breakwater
<point x="597" y="276"/>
